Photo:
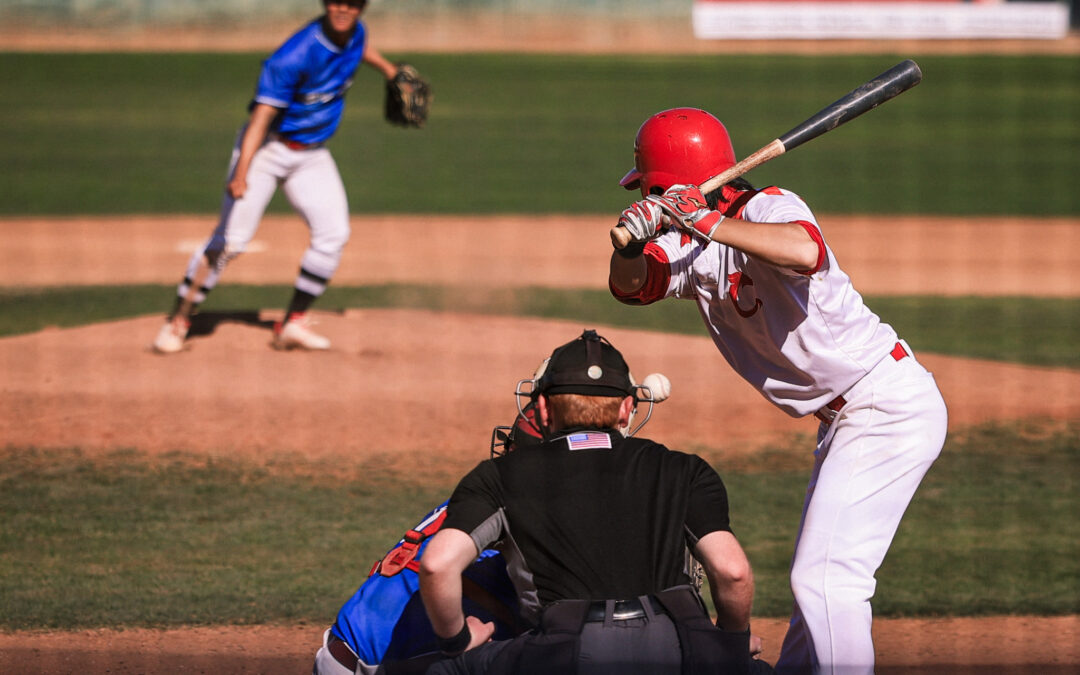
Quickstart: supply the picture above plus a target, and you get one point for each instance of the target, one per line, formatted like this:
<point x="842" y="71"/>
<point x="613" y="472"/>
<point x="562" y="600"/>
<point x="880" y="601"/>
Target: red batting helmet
<point x="678" y="146"/>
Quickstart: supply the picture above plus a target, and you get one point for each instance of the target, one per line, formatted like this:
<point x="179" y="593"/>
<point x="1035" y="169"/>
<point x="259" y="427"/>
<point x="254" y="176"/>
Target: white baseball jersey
<point x="801" y="338"/>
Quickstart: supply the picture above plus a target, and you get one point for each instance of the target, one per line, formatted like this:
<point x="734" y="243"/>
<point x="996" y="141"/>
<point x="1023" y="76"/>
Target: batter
<point x="786" y="317"/>
<point x="298" y="103"/>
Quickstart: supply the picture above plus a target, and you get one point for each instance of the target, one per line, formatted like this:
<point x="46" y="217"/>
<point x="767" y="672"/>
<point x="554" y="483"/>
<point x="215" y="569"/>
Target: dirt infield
<point x="84" y="387"/>
<point x="999" y="646"/>
<point x="988" y="256"/>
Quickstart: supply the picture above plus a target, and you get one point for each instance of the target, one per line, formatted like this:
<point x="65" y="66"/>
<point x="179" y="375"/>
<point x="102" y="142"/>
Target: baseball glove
<point x="408" y="98"/>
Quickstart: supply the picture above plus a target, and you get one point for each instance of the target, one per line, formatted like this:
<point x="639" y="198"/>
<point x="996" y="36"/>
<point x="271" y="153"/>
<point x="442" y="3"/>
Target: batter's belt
<point x="832" y="408"/>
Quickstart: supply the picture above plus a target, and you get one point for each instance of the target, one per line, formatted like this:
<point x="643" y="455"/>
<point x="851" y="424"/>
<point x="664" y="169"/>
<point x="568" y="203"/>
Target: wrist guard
<point x="631" y="250"/>
<point x="457" y="644"/>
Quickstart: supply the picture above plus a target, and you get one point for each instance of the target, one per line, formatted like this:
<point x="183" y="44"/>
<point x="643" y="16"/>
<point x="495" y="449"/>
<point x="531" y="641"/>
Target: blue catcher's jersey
<point x="307" y="78"/>
<point x="385" y="619"/>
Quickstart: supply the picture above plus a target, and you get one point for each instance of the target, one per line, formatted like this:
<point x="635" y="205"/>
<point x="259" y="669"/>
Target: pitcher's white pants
<point x="311" y="182"/>
<point x="868" y="464"/>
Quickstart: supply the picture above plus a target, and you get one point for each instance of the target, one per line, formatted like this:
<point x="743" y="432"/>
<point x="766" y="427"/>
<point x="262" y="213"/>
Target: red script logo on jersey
<point x="736" y="282"/>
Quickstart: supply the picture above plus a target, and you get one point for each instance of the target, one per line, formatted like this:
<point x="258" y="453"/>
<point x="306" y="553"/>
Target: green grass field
<point x="151" y="133"/>
<point x="211" y="541"/>
<point x="993" y="531"/>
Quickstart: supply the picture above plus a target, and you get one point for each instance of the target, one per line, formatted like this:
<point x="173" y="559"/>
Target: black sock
<point x="300" y="303"/>
<point x="176" y="308"/>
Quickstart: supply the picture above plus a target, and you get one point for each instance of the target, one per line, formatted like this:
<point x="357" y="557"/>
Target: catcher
<point x="382" y="628"/>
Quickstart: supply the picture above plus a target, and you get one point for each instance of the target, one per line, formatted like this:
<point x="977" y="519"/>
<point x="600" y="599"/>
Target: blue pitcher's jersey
<point x="307" y="78"/>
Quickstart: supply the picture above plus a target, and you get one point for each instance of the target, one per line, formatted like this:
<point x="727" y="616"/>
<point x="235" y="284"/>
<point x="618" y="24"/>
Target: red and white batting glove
<point x="643" y="219"/>
<point x="690" y="211"/>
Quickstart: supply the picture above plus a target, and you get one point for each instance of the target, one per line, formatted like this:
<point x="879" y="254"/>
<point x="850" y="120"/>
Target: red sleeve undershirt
<point x="815" y="234"/>
<point x="657" y="276"/>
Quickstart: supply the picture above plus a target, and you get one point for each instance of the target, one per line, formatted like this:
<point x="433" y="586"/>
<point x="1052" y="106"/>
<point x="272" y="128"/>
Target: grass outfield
<point x="992" y="531"/>
<point x="151" y="133"/>
<point x="1033" y="331"/>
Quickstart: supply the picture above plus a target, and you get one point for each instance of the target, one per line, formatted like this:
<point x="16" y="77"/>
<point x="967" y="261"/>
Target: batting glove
<point x="643" y="219"/>
<point x="693" y="213"/>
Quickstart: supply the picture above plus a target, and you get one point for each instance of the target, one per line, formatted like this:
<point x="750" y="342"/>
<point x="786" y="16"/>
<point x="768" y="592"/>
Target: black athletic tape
<point x="314" y="277"/>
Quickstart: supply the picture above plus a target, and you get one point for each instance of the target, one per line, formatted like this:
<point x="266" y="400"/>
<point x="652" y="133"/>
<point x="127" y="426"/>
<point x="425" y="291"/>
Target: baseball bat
<point x="888" y="85"/>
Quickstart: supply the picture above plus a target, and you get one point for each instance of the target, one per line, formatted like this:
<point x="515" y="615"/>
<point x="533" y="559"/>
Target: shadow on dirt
<point x="205" y="323"/>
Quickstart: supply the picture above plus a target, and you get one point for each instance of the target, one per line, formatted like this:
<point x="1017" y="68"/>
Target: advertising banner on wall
<point x="878" y="19"/>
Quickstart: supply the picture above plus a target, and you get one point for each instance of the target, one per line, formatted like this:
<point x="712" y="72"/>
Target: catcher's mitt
<point x="408" y="97"/>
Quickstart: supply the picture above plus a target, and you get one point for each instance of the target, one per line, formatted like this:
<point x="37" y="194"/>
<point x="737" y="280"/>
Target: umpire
<point x="594" y="527"/>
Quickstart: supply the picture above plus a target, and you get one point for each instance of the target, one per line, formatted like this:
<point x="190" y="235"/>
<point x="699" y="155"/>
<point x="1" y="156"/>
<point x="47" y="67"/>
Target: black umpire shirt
<point x="590" y="515"/>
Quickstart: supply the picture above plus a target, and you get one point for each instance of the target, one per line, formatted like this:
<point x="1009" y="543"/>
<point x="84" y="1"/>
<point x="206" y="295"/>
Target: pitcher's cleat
<point x="296" y="333"/>
<point x="170" y="339"/>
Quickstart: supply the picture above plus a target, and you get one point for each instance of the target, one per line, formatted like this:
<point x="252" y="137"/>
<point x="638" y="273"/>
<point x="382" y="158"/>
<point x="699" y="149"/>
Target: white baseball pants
<point x="868" y="464"/>
<point x="313" y="186"/>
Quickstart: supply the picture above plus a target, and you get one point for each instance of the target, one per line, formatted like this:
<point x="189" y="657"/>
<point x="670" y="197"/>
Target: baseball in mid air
<point x="659" y="386"/>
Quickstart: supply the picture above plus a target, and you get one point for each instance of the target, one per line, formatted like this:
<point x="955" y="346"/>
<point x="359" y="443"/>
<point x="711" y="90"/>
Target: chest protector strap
<point x="403" y="555"/>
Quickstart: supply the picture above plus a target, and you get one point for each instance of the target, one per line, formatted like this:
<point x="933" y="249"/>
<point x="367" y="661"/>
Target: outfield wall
<point x="879" y="19"/>
<point x="587" y="25"/>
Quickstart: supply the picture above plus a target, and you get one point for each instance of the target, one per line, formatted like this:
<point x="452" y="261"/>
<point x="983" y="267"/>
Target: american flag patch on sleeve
<point x="588" y="440"/>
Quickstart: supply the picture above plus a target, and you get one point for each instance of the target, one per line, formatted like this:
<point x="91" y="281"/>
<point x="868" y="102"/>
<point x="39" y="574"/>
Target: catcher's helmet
<point x="525" y="431"/>
<point x="678" y="147"/>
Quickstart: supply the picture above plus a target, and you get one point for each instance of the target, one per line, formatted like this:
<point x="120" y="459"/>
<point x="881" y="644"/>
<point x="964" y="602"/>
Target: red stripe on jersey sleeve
<point x="815" y="234"/>
<point x="657" y="276"/>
